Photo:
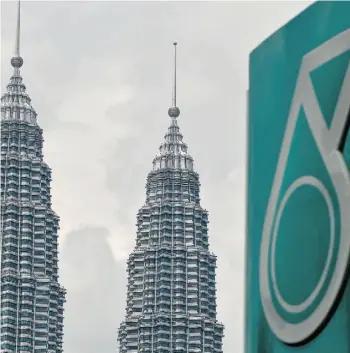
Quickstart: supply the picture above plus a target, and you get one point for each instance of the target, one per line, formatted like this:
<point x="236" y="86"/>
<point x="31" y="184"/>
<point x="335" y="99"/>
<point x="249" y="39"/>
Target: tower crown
<point x="173" y="151"/>
<point x="15" y="102"/>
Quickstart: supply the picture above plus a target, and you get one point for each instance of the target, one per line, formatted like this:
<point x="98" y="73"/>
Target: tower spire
<point x="174" y="111"/>
<point x="17" y="60"/>
<point x="174" y="93"/>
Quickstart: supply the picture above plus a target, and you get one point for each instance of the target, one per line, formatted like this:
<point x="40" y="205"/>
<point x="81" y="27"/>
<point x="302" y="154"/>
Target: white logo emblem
<point x="327" y="141"/>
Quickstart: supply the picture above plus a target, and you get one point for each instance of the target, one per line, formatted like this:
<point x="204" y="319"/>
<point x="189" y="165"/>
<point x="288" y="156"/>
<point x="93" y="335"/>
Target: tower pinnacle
<point x="17" y="60"/>
<point x="174" y="111"/>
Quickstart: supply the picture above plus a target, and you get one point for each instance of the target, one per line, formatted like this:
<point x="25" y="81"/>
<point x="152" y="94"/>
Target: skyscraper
<point x="171" y="295"/>
<point x="31" y="297"/>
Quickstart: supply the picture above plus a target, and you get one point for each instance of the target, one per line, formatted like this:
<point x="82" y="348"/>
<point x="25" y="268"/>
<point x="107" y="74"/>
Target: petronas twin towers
<point x="171" y="294"/>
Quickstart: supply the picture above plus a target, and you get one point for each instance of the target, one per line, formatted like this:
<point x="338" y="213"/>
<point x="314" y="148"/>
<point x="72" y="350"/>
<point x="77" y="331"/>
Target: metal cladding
<point x="171" y="294"/>
<point x="31" y="297"/>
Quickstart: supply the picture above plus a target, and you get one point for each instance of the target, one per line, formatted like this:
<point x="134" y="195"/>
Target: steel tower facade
<point x="31" y="296"/>
<point x="171" y="294"/>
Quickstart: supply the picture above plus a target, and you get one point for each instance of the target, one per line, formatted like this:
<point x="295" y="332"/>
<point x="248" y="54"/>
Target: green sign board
<point x="298" y="197"/>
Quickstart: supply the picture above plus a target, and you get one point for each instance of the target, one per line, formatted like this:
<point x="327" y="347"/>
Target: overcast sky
<point x="100" y="76"/>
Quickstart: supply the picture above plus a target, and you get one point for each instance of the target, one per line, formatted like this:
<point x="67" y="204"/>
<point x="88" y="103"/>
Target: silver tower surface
<point x="31" y="298"/>
<point x="171" y="294"/>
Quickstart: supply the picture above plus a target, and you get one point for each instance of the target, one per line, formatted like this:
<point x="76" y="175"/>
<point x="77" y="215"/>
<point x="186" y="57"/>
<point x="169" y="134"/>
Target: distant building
<point x="31" y="298"/>
<point x="171" y="296"/>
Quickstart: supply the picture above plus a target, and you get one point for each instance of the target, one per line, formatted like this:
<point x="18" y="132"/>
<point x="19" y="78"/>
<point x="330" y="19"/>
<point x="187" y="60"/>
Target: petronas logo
<point x="306" y="235"/>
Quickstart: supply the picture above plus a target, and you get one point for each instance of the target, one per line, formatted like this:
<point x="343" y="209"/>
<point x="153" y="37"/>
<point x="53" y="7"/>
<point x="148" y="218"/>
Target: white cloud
<point x="96" y="286"/>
